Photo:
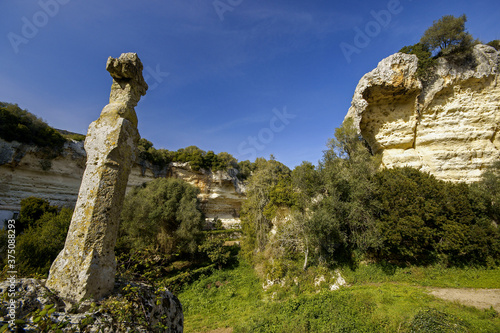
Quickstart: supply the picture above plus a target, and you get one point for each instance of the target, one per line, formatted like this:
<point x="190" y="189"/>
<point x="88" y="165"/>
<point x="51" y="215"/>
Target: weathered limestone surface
<point x="24" y="172"/>
<point x="160" y="307"/>
<point x="86" y="266"/>
<point x="221" y="192"/>
<point x="447" y="127"/>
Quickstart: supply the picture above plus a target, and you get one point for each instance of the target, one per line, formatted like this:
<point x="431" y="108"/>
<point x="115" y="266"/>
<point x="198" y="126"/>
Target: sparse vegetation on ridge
<point x="20" y="125"/>
<point x="197" y="159"/>
<point x="495" y="43"/>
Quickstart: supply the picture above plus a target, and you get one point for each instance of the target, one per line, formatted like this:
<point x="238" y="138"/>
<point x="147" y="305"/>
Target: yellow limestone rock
<point x="447" y="127"/>
<point x="86" y="267"/>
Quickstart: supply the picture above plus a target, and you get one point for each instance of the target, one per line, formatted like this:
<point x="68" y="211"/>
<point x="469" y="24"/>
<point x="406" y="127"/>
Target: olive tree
<point x="448" y="34"/>
<point x="343" y="221"/>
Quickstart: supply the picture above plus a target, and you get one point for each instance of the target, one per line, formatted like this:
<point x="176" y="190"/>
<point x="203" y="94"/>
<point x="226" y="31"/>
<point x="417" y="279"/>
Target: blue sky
<point x="249" y="77"/>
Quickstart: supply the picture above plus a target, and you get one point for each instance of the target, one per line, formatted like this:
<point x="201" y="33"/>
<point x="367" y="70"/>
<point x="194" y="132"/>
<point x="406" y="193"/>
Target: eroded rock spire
<point x="86" y="267"/>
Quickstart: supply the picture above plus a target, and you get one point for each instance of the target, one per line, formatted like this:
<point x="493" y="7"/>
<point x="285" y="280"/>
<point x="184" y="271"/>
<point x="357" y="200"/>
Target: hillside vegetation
<point x="389" y="233"/>
<point x="196" y="157"/>
<point x="20" y="125"/>
<point x="23" y="126"/>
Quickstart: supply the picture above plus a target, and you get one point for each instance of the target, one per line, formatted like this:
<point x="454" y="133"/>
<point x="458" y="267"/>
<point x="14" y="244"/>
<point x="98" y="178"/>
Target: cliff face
<point x="26" y="171"/>
<point x="447" y="127"/>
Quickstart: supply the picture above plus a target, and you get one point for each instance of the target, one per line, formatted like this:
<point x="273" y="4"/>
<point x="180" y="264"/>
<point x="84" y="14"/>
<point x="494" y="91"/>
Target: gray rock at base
<point x="160" y="308"/>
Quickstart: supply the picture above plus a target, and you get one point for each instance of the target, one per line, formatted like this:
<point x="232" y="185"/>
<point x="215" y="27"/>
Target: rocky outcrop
<point x="221" y="192"/>
<point x="447" y="127"/>
<point x="86" y="266"/>
<point x="27" y="171"/>
<point x="25" y="299"/>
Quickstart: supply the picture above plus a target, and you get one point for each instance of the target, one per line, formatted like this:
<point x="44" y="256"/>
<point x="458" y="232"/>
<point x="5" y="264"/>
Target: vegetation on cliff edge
<point x="447" y="38"/>
<point x="20" y="125"/>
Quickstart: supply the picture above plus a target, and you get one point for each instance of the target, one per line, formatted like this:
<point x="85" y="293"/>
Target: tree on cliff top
<point x="448" y="34"/>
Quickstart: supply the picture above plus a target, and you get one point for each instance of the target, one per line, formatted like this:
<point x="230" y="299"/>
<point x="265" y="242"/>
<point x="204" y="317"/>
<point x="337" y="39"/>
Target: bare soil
<point x="479" y="298"/>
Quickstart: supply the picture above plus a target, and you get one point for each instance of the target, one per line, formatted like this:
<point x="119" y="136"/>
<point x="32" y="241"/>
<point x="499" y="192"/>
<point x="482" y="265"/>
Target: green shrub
<point x="22" y="126"/>
<point x="164" y="214"/>
<point x="32" y="209"/>
<point x="267" y="187"/>
<point x="488" y="189"/>
<point x="446" y="38"/>
<point x="216" y="251"/>
<point x="197" y="158"/>
<point x="245" y="169"/>
<point x="343" y="221"/>
<point x="423" y="220"/>
<point x="434" y="321"/>
<point x="495" y="43"/>
<point x="426" y="63"/>
<point x="448" y="34"/>
<point x="40" y="244"/>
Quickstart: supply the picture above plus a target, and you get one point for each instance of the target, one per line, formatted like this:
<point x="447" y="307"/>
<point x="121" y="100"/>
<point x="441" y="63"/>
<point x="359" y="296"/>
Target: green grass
<point x="222" y="299"/>
<point x="433" y="276"/>
<point x="378" y="299"/>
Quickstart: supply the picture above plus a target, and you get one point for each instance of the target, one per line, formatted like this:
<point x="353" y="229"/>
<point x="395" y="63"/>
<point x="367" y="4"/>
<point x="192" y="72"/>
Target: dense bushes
<point x="40" y="235"/>
<point x="268" y="189"/>
<point x="38" y="247"/>
<point x="343" y="221"/>
<point x="347" y="210"/>
<point x="22" y="126"/>
<point x="422" y="220"/>
<point x="426" y="62"/>
<point x="164" y="214"/>
<point x="32" y="209"/>
<point x="161" y="234"/>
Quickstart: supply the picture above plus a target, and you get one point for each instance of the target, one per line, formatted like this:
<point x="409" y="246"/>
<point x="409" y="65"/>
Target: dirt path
<point x="479" y="298"/>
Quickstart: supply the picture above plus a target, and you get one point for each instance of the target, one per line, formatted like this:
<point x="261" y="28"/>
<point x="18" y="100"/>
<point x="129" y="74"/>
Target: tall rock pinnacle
<point x="86" y="267"/>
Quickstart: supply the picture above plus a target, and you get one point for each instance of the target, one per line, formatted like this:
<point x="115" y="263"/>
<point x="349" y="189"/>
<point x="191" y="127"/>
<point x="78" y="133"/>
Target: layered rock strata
<point x="447" y="127"/>
<point x="221" y="192"/>
<point x="25" y="172"/>
<point x="86" y="267"/>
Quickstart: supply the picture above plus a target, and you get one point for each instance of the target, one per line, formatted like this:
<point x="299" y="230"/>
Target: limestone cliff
<point x="447" y="126"/>
<point x="26" y="171"/>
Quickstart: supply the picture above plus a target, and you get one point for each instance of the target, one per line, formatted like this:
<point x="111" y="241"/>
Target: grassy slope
<point x="378" y="300"/>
